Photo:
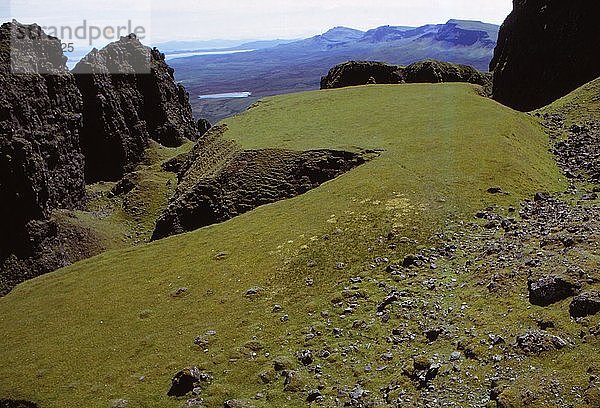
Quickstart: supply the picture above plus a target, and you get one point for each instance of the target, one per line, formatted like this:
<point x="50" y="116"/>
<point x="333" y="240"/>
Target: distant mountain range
<point x="281" y="66"/>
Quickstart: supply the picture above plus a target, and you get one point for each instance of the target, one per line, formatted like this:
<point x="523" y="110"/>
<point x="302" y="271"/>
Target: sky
<point x="249" y="19"/>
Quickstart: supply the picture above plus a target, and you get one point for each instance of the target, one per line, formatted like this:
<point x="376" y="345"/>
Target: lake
<point x="226" y="95"/>
<point x="176" y="55"/>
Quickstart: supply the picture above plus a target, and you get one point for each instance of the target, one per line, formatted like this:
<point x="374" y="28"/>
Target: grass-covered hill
<point x="309" y="275"/>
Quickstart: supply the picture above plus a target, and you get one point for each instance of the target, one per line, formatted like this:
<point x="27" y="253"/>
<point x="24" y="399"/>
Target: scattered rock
<point x="494" y="190"/>
<point x="314" y="395"/>
<point x="292" y="381"/>
<point x="234" y="403"/>
<point x="391" y="298"/>
<point x="423" y="371"/>
<point x="537" y="341"/>
<point x="252" y="292"/>
<point x="305" y="357"/>
<point x="193" y="402"/>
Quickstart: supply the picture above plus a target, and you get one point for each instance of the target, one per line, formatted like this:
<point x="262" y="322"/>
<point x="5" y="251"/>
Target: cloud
<point x="245" y="19"/>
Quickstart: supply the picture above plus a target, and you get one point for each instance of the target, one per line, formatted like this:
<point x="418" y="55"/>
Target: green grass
<point x="85" y="335"/>
<point x="578" y="106"/>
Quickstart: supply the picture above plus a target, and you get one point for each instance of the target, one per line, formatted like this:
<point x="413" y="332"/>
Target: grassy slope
<point x="86" y="334"/>
<point x="578" y="106"/>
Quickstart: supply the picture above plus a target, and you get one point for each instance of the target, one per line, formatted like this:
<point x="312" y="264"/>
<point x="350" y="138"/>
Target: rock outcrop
<point x="41" y="163"/>
<point x="129" y="97"/>
<point x="354" y="73"/>
<point x="219" y="181"/>
<point x="545" y="49"/>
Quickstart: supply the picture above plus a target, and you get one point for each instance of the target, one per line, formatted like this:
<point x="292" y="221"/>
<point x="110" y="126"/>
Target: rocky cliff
<point x="59" y="129"/>
<point x="546" y="48"/>
<point x="41" y="164"/>
<point x="429" y="71"/>
<point x="123" y="111"/>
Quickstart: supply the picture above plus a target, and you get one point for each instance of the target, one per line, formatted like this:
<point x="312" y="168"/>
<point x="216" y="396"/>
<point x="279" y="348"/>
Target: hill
<point x="297" y="66"/>
<point x="327" y="291"/>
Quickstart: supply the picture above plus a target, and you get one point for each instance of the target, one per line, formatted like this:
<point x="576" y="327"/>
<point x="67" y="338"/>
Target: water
<point x="226" y="95"/>
<point x="173" y="56"/>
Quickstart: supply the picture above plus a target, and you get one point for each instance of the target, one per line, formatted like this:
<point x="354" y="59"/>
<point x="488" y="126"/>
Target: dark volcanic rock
<point x="203" y="127"/>
<point x="130" y="97"/>
<point x="186" y="380"/>
<point x="428" y="71"/>
<point x="243" y="180"/>
<point x="354" y="73"/>
<point x="586" y="304"/>
<point x="545" y="50"/>
<point x="41" y="164"/>
<point x="550" y="289"/>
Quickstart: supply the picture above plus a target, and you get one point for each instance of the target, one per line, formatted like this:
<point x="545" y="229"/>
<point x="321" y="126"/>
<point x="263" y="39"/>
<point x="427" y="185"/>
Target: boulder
<point x="130" y="96"/>
<point x="545" y="50"/>
<point x="550" y="289"/>
<point x="585" y="304"/>
<point x="186" y="380"/>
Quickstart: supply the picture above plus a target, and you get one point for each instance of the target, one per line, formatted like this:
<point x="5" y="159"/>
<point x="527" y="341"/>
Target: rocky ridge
<point x="219" y="180"/>
<point x="122" y="112"/>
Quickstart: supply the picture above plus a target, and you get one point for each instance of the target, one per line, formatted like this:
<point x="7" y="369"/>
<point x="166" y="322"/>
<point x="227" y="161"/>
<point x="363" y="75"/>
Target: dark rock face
<point x="586" y="304"/>
<point x="122" y="112"/>
<point x="428" y="71"/>
<point x="41" y="164"/>
<point x="247" y="180"/>
<point x="551" y="289"/>
<point x="546" y="49"/>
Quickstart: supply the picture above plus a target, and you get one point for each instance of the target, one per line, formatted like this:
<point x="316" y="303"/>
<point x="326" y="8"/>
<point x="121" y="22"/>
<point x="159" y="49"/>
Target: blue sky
<point x="250" y="19"/>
